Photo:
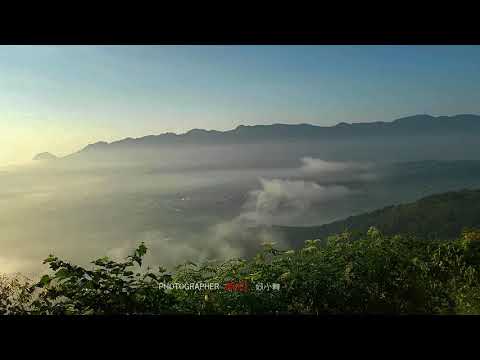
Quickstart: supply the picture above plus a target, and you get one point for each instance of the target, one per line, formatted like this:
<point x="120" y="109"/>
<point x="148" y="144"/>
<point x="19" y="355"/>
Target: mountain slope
<point x="425" y="125"/>
<point x="433" y="217"/>
<point x="45" y="156"/>
<point x="420" y="137"/>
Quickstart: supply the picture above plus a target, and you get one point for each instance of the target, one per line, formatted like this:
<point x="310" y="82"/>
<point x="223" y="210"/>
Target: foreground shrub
<point x="370" y="273"/>
<point x="15" y="295"/>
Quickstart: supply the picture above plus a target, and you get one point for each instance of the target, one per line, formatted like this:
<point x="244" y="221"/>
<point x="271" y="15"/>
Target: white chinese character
<point x="259" y="286"/>
<point x="276" y="286"/>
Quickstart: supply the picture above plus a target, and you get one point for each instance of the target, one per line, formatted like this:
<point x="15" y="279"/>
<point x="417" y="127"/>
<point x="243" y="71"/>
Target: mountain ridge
<point x="420" y="126"/>
<point x="44" y="156"/>
<point x="415" y="125"/>
<point x="437" y="216"/>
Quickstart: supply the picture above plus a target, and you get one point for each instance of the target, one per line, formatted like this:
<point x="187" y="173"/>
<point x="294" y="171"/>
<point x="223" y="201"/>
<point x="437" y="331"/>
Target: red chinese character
<point x="242" y="286"/>
<point x="230" y="286"/>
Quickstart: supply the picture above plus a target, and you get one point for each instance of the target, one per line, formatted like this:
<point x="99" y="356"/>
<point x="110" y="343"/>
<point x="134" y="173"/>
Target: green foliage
<point x="361" y="273"/>
<point x="440" y="216"/>
<point x="110" y="288"/>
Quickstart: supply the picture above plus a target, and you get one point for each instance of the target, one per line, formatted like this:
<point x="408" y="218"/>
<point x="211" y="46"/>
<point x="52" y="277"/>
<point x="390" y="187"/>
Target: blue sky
<point x="59" y="98"/>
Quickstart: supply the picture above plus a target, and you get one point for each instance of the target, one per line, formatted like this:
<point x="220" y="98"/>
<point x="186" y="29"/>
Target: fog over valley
<point x="191" y="201"/>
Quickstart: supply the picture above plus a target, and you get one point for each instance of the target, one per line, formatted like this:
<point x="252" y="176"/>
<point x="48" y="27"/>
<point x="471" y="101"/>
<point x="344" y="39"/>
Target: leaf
<point x="153" y="276"/>
<point x="45" y="280"/>
<point x="62" y="274"/>
<point x="50" y="259"/>
<point x="142" y="249"/>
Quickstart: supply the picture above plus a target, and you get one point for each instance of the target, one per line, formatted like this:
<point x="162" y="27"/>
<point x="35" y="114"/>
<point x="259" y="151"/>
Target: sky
<point x="61" y="98"/>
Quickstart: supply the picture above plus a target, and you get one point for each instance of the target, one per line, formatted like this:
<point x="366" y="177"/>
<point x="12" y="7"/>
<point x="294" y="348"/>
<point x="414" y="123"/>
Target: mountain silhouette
<point x="438" y="216"/>
<point x="45" y="156"/>
<point x="418" y="137"/>
<point x="407" y="126"/>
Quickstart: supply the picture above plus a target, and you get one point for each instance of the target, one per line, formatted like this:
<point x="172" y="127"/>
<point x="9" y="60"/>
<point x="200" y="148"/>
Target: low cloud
<point x="335" y="171"/>
<point x="241" y="237"/>
<point x="284" y="202"/>
<point x="82" y="213"/>
<point x="310" y="164"/>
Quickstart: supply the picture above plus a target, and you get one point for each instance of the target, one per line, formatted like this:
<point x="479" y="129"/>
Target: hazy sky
<point x="61" y="98"/>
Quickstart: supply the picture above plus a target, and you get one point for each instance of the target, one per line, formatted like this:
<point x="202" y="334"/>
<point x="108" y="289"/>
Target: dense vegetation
<point x="371" y="273"/>
<point x="440" y="216"/>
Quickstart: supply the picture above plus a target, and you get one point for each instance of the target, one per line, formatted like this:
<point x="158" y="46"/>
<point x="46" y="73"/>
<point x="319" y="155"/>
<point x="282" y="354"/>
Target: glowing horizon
<point x="59" y="99"/>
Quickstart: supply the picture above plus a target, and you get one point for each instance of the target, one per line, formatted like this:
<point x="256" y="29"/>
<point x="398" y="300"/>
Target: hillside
<point x="425" y="125"/>
<point x="440" y="216"/>
<point x="413" y="138"/>
<point x="45" y="156"/>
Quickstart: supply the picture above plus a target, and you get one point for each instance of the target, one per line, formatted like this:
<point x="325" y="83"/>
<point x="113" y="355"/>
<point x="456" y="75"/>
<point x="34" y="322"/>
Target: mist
<point x="200" y="203"/>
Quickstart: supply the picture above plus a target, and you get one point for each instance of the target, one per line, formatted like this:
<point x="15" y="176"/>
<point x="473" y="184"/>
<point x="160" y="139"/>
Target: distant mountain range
<point x="440" y="216"/>
<point x="408" y="126"/>
<point x="442" y="137"/>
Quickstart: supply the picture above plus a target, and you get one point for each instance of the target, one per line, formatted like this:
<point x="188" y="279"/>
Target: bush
<point x="370" y="273"/>
<point x="15" y="295"/>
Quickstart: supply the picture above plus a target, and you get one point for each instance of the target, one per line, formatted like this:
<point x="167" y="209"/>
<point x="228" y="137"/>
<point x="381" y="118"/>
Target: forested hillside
<point x="441" y="216"/>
